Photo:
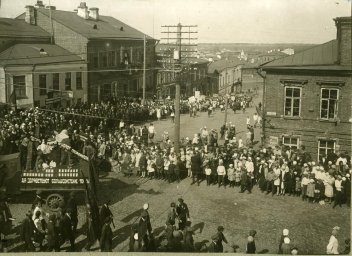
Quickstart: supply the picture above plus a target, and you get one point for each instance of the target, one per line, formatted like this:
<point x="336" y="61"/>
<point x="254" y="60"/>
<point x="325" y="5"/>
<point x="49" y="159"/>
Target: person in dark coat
<point x="105" y="212"/>
<point x="244" y="181"/>
<point x="91" y="233"/>
<point x="72" y="204"/>
<point x="67" y="230"/>
<point x="196" y="167"/>
<point x="106" y="236"/>
<point x="182" y="213"/>
<point x="27" y="232"/>
<point x="213" y="246"/>
<point x="188" y="238"/>
<point x="52" y="235"/>
<point x="288" y="182"/>
<point x="143" y="228"/>
<point x="221" y="238"/>
<point x="251" y="243"/>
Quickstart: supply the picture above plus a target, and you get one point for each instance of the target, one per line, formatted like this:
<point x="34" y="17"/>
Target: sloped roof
<point x="107" y="27"/>
<point x="222" y="64"/>
<point x="20" y="28"/>
<point x="324" y="54"/>
<point x="29" y="54"/>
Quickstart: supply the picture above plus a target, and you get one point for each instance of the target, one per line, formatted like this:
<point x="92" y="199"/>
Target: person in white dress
<point x="333" y="245"/>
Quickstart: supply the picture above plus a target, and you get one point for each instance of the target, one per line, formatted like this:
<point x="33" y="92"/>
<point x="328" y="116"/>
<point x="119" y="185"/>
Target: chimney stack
<point x="83" y="11"/>
<point x="40" y="4"/>
<point x="30" y="15"/>
<point x="94" y="13"/>
<point x="51" y="7"/>
<point x="344" y="26"/>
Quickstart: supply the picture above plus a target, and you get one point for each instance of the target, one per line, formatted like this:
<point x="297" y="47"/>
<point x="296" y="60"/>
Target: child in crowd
<point x="208" y="174"/>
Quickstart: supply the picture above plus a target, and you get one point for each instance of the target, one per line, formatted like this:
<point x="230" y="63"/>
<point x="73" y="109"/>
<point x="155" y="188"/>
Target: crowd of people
<point x="118" y="143"/>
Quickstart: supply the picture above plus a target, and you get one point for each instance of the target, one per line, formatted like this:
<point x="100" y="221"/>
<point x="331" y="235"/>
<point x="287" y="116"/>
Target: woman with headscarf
<point x="333" y="245"/>
<point x="329" y="186"/>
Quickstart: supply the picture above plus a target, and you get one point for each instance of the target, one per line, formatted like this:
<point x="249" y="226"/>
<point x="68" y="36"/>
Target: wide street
<point x="309" y="224"/>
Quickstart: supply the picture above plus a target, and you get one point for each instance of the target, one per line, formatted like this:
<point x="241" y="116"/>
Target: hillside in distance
<point x="249" y="47"/>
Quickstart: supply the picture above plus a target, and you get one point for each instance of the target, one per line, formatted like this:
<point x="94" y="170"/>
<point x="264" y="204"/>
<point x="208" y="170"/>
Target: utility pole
<point x="226" y="107"/>
<point x="176" y="58"/>
<point x="144" y="66"/>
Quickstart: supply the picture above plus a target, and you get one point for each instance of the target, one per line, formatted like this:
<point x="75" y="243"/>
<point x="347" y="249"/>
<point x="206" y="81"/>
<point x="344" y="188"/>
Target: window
<point x="42" y="84"/>
<point x="103" y="59"/>
<point x="68" y="81"/>
<point x="328" y="103"/>
<point x="292" y="142"/>
<point x="325" y="147"/>
<point x="94" y="60"/>
<point x="78" y="80"/>
<point x="111" y="59"/>
<point x="56" y="82"/>
<point x="19" y="84"/>
<point x="292" y="101"/>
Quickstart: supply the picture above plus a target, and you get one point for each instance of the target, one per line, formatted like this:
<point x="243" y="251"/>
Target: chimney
<point x="83" y="11"/>
<point x="30" y="15"/>
<point x="40" y="4"/>
<point x="51" y="7"/>
<point x="94" y="13"/>
<point x="344" y="25"/>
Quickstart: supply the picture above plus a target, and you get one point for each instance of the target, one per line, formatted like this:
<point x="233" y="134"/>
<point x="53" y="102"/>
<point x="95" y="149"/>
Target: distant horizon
<point x="220" y="21"/>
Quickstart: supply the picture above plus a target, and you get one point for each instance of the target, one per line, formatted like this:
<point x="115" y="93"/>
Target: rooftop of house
<point x="105" y="27"/>
<point x="324" y="54"/>
<point x="20" y="28"/>
<point x="220" y="65"/>
<point x="34" y="54"/>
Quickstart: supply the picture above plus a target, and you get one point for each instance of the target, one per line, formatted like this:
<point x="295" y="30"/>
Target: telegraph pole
<point x="226" y="107"/>
<point x="144" y="66"/>
<point x="176" y="59"/>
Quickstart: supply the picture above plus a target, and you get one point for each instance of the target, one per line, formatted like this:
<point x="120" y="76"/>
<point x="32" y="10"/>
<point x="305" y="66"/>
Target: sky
<point x="219" y="21"/>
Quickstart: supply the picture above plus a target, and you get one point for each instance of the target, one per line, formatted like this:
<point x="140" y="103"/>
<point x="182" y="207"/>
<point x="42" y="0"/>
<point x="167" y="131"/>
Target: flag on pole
<point x="94" y="208"/>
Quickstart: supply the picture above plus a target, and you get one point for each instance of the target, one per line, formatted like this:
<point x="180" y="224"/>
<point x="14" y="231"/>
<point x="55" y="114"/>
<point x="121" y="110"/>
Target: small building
<point x="42" y="75"/>
<point x="270" y="56"/>
<point x="308" y="96"/>
<point x="225" y="76"/>
<point x="113" y="50"/>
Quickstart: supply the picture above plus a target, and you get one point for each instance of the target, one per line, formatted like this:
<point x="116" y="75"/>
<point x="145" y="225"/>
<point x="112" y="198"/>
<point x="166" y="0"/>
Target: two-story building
<point x="225" y="76"/>
<point x="307" y="96"/>
<point x="114" y="51"/>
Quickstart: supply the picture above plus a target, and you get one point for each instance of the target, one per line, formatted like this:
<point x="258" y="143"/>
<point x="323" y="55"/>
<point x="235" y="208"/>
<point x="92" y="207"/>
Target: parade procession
<point x="112" y="140"/>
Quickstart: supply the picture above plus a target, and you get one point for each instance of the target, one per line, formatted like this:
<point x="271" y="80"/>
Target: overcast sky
<point x="219" y="21"/>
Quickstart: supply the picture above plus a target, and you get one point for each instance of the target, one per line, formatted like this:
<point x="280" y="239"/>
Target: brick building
<point x="113" y="50"/>
<point x="225" y="76"/>
<point x="307" y="96"/>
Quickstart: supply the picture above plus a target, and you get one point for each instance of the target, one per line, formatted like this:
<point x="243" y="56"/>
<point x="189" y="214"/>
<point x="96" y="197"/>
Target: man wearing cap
<point x="338" y="194"/>
<point x="52" y="234"/>
<point x="182" y="213"/>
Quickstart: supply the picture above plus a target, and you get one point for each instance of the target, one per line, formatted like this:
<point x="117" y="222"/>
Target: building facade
<point x="112" y="49"/>
<point x="307" y="97"/>
<point x="38" y="75"/>
<point x="225" y="76"/>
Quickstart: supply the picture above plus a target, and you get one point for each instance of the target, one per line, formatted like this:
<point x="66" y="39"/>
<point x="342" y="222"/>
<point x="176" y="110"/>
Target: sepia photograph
<point x="176" y="126"/>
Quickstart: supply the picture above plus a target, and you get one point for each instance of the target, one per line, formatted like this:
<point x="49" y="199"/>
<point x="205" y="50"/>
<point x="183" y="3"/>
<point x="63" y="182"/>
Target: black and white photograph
<point x="176" y="126"/>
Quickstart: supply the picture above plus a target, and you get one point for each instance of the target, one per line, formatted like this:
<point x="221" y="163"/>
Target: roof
<point x="222" y="64"/>
<point x="20" y="28"/>
<point x="107" y="27"/>
<point x="324" y="54"/>
<point x="29" y="54"/>
<point x="274" y="53"/>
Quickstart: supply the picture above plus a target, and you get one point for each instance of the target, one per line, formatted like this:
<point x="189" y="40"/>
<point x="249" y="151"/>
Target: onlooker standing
<point x="27" y="232"/>
<point x="106" y="236"/>
<point x="221" y="173"/>
<point x="221" y="239"/>
<point x="251" y="243"/>
<point x="333" y="245"/>
<point x="182" y="213"/>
